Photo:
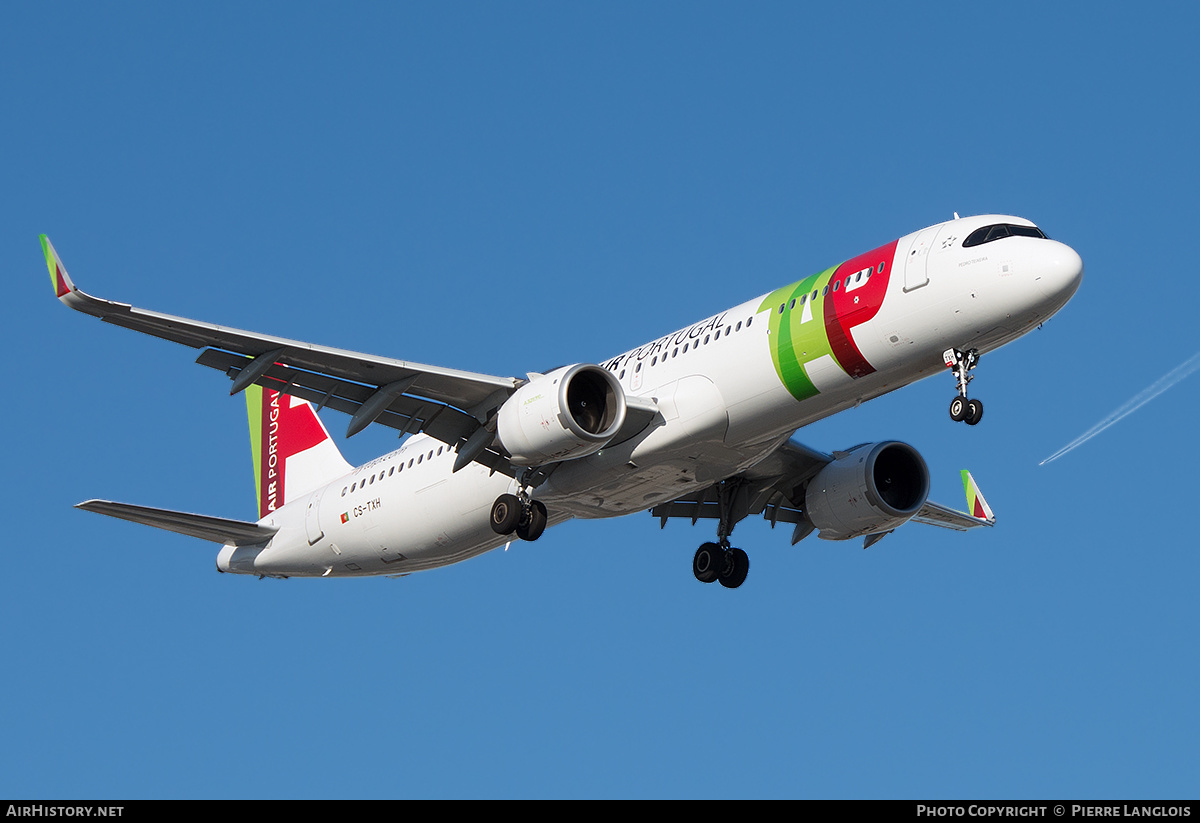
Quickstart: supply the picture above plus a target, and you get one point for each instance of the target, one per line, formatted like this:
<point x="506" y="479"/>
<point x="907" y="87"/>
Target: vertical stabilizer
<point x="293" y="453"/>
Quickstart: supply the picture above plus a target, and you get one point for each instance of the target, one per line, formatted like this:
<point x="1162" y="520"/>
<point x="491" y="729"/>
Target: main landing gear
<point x="520" y="514"/>
<point x="962" y="362"/>
<point x="715" y="562"/>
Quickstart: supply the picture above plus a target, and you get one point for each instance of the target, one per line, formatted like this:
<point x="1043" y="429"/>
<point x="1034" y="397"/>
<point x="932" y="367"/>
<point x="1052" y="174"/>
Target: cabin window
<point x="749" y="321"/>
<point x="739" y="326"/>
<point x="793" y="304"/>
<point x="836" y="283"/>
<point x="878" y="269"/>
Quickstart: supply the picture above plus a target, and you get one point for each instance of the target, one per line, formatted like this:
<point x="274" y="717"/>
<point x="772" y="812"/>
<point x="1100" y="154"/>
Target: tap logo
<point x="815" y="318"/>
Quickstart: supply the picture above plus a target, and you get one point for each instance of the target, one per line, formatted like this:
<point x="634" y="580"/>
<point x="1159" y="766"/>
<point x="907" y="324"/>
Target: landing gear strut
<point x="961" y="363"/>
<point x="718" y="561"/>
<point x="526" y="517"/>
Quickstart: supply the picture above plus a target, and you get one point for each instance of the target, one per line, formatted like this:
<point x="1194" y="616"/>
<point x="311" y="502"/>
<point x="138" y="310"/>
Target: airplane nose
<point x="1060" y="273"/>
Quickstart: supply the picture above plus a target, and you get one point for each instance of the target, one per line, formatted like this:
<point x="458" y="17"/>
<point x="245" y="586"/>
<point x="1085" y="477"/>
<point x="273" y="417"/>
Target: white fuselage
<point x="722" y="396"/>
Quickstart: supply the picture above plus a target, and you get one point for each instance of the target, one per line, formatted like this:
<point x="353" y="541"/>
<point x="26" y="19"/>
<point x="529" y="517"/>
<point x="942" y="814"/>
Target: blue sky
<point x="506" y="187"/>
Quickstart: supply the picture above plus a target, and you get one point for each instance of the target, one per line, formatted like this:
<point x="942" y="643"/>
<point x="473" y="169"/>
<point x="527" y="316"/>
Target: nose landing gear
<point x="961" y="363"/>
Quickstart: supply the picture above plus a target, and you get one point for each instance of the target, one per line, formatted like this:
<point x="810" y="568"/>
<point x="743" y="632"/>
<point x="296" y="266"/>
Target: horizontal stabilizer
<point x="216" y="529"/>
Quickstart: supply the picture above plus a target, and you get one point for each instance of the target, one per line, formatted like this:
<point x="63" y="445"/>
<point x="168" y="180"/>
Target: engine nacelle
<point x="569" y="413"/>
<point x="874" y="488"/>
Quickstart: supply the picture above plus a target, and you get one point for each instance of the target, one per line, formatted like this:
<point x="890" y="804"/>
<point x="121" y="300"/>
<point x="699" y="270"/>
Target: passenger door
<point x="915" y="262"/>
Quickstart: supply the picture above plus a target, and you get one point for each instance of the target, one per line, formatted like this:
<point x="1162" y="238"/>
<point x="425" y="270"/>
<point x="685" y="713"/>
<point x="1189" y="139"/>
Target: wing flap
<point x="216" y="529"/>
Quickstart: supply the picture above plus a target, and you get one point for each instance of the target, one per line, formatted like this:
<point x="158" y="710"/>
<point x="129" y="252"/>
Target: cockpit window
<point x="989" y="233"/>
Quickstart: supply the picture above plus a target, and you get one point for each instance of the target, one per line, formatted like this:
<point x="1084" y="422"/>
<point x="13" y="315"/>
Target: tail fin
<point x="975" y="502"/>
<point x="293" y="453"/>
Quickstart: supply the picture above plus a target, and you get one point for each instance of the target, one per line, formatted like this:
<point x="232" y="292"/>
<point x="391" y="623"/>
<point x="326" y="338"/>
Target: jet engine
<point x="571" y="412"/>
<point x="873" y="488"/>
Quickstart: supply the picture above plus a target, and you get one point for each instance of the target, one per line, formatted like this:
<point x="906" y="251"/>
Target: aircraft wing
<point x="935" y="514"/>
<point x="216" y="529"/>
<point x="774" y="488"/>
<point x="447" y="404"/>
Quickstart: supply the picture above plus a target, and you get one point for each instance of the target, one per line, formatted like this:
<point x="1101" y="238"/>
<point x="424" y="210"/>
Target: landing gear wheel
<point x="962" y="363"/>
<point x="974" y="412"/>
<point x="533" y="522"/>
<point x="506" y="514"/>
<point x="708" y="562"/>
<point x="737" y="566"/>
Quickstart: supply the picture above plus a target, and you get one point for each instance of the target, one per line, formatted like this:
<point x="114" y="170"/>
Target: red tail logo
<point x="286" y="427"/>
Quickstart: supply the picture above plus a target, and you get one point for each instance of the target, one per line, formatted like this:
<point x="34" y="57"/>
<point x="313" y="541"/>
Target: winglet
<point x="70" y="295"/>
<point x="58" y="272"/>
<point x="975" y="502"/>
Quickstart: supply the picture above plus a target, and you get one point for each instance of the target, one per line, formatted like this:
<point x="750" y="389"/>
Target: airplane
<point x="695" y="424"/>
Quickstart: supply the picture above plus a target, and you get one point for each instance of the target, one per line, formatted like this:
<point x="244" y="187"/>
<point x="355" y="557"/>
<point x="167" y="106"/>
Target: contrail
<point x="1142" y="398"/>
